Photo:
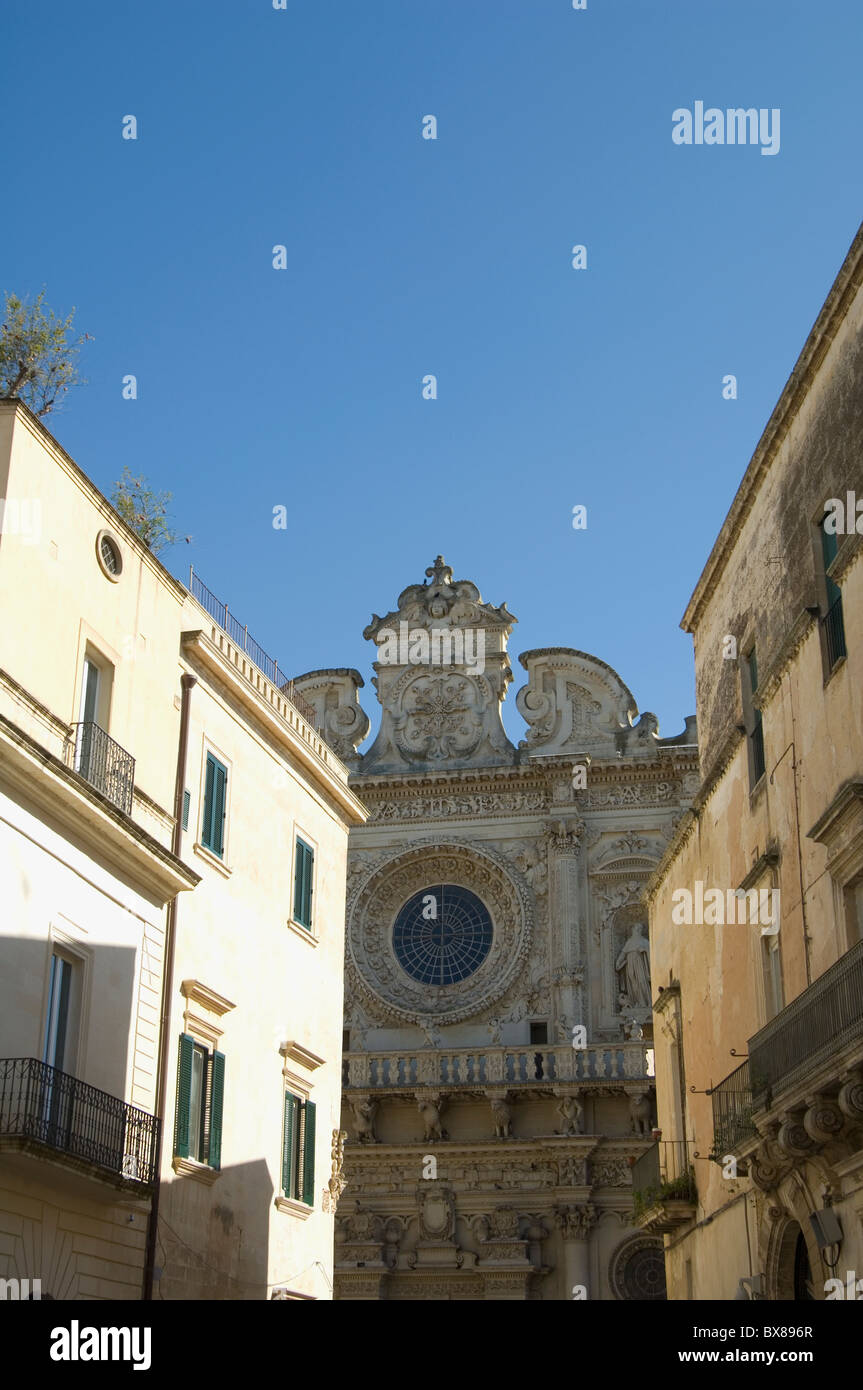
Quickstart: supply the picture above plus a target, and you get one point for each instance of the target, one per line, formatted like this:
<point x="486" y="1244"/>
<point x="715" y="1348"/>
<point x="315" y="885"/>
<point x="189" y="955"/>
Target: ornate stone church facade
<point x="498" y="1061"/>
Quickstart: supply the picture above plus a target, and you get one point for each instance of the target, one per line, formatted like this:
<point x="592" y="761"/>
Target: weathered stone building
<point x="497" y="1067"/>
<point x="775" y="620"/>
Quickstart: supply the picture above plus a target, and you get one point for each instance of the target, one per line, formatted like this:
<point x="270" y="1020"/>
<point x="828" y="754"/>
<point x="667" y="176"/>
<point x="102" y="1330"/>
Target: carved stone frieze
<point x="615" y="1172"/>
<point x="637" y="794"/>
<point x="459" y="806"/>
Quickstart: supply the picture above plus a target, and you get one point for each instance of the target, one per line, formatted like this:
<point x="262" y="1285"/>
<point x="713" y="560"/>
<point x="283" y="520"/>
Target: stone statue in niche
<point x="633" y="967"/>
<point x="364" y="1111"/>
<point x="430" y="1108"/>
<point x="639" y="1113"/>
<point x="570" y="1111"/>
<point x="502" y="1114"/>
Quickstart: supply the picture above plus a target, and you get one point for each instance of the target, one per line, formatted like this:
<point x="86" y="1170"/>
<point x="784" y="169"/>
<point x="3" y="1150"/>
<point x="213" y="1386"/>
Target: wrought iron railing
<point x="732" y="1111"/>
<point x="49" y="1107"/>
<point x="818" y="1024"/>
<point x="239" y="633"/>
<point x="664" y="1173"/>
<point x="105" y="765"/>
<point x="507" y="1066"/>
<point x="834" y="632"/>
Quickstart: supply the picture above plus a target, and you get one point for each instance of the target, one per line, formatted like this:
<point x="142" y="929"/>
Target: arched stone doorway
<point x="792" y="1268"/>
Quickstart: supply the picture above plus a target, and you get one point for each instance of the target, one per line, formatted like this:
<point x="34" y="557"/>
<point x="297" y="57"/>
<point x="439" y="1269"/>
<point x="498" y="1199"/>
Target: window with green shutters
<point x="298" y="1150"/>
<point x="200" y="1100"/>
<point x="304" y="865"/>
<point x="832" y="620"/>
<point x="215" y="806"/>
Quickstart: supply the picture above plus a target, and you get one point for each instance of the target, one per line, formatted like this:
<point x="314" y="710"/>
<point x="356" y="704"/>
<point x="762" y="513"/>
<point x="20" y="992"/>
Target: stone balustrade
<point x="495" y="1066"/>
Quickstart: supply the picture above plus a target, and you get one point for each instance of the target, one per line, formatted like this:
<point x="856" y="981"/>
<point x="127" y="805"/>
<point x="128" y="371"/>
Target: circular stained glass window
<point x="442" y="935"/>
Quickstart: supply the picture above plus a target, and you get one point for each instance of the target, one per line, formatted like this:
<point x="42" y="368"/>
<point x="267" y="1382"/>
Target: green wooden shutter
<point x="307" y="885"/>
<point x="187" y="801"/>
<point x="215" y="806"/>
<point x="220" y="808"/>
<point x="298" y="880"/>
<point x="309" y="1154"/>
<point x="303" y="883"/>
<point x="289" y="1145"/>
<point x="207" y="817"/>
<point x="184" y="1090"/>
<point x="217" y="1096"/>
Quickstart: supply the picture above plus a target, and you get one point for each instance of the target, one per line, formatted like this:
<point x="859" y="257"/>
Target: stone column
<point x="565" y="847"/>
<point x="575" y="1224"/>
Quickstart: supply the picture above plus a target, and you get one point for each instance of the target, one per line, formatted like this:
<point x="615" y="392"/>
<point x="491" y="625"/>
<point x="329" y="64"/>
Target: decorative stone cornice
<point x="205" y="997"/>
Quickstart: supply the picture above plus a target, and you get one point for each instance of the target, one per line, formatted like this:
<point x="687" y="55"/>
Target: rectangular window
<point x="304" y="862"/>
<point x="215" y="806"/>
<point x="853" y="896"/>
<point x="200" y="1098"/>
<point x="832" y="621"/>
<point x="774" y="994"/>
<point x="752" y="720"/>
<point x="539" y="1033"/>
<point x="57" y="1040"/>
<point x="298" y="1150"/>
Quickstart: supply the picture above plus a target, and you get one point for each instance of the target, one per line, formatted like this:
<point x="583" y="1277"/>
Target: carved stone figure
<point x="364" y="1111"/>
<point x="535" y="869"/>
<point x="504" y="1223"/>
<point x="633" y="964"/>
<point x="337" y="1183"/>
<point x="570" y="1111"/>
<point x="430" y="1108"/>
<point x="639" y="1113"/>
<point x="502" y="1114"/>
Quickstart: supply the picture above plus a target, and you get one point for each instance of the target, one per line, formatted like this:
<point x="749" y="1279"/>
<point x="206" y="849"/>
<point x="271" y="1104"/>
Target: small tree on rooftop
<point x="38" y="358"/>
<point x="144" y="510"/>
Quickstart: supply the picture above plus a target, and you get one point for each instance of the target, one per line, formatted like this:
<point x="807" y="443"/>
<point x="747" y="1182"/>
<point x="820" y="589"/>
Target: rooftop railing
<point x="50" y="1108"/>
<point x="240" y="635"/>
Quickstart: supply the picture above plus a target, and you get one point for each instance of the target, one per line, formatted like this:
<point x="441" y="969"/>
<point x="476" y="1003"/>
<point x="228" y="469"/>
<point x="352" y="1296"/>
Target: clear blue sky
<point x="259" y="387"/>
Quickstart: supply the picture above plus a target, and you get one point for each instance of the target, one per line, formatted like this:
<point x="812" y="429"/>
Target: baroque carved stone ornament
<point x="411" y="872"/>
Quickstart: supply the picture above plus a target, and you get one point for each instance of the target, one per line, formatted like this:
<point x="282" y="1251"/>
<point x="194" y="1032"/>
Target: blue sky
<point x="603" y="387"/>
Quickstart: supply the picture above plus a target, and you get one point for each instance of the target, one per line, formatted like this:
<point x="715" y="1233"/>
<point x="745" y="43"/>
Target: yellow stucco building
<point x="167" y="814"/>
<point x="756" y="911"/>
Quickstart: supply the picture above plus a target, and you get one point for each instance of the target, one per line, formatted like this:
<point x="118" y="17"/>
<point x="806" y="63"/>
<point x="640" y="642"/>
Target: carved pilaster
<point x="575" y="1221"/>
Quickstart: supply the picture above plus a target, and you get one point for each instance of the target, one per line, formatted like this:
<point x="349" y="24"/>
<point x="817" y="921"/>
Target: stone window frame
<point x="767" y="865"/>
<point x="299" y="1061"/>
<point x="201" y="1017"/>
<point x="840" y="830"/>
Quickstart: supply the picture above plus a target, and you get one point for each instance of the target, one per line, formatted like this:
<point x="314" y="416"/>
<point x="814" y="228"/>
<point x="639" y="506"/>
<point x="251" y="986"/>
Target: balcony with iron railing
<point x="240" y="635"/>
<point x="103" y="763"/>
<point x="463" y="1068"/>
<point x="664" y="1194"/>
<point x="733" y="1106"/>
<point x="822" y="1026"/>
<point x="49" y="1112"/>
